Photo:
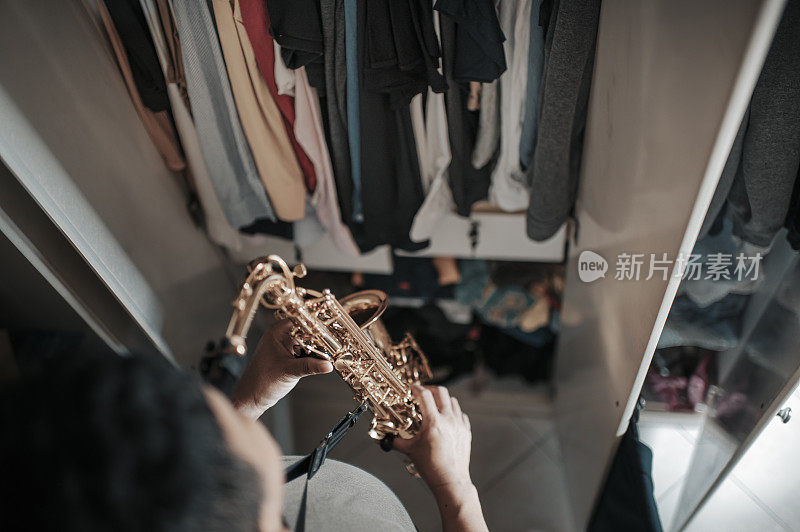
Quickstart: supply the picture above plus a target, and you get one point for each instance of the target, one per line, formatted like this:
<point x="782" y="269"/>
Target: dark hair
<point x="118" y="444"/>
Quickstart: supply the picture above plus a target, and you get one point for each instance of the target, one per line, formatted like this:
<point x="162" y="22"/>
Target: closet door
<point x="46" y="284"/>
<point x="671" y="83"/>
<point x="755" y="380"/>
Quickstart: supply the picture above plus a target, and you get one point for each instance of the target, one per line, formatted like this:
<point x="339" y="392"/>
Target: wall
<point x="70" y="134"/>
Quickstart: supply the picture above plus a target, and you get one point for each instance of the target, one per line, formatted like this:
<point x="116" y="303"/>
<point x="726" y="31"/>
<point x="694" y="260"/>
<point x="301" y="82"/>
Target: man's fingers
<point x="456" y="407"/>
<point x="399" y="444"/>
<point x="442" y="398"/>
<point x="282" y="329"/>
<point x="465" y="418"/>
<point x="427" y="404"/>
<point x="302" y="367"/>
<point x="277" y="333"/>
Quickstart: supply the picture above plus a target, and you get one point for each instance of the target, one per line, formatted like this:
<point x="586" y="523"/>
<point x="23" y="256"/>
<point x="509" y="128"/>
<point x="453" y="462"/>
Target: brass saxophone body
<point x="348" y="333"/>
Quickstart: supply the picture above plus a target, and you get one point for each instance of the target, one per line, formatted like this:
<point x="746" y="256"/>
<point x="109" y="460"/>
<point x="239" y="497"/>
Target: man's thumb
<point x="305" y="366"/>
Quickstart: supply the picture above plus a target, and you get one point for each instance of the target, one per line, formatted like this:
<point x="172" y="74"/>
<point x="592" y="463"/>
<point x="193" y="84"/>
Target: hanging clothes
<point x="255" y="20"/>
<point x="402" y="61"/>
<point x="391" y="187"/>
<point x="227" y="155"/>
<point x="508" y="189"/>
<point x="474" y="100"/>
<point x="793" y="217"/>
<point x="310" y="134"/>
<point x="718" y="206"/>
<point x="762" y="167"/>
<point x="717" y="326"/>
<point x="479" y="56"/>
<point x="353" y="108"/>
<point x="467" y="183"/>
<point x="306" y="117"/>
<point x="479" y="39"/>
<point x="284" y="76"/>
<point x="487" y="139"/>
<point x="433" y="151"/>
<point x="165" y="34"/>
<point x="706" y="290"/>
<point x="527" y="141"/>
<point x="160" y="22"/>
<point x="564" y="103"/>
<point x="131" y="48"/>
<point x="335" y="101"/>
<point x="142" y="61"/>
<point x="297" y="27"/>
<point x="403" y="50"/>
<point x="261" y="119"/>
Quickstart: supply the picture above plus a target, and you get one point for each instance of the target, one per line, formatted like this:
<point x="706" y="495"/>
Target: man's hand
<point x="273" y="371"/>
<point x="440" y="452"/>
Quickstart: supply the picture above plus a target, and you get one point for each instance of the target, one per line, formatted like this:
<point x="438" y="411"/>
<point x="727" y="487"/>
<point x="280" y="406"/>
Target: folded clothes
<point x="716" y="327"/>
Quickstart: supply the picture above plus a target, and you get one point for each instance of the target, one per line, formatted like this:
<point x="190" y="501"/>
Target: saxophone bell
<point x="366" y="308"/>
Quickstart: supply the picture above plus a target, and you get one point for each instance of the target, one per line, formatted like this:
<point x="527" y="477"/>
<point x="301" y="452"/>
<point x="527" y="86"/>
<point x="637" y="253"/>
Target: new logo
<point x="591" y="266"/>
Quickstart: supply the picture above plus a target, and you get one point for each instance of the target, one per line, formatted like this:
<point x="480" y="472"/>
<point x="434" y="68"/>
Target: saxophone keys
<point x="411" y="468"/>
<point x="300" y="271"/>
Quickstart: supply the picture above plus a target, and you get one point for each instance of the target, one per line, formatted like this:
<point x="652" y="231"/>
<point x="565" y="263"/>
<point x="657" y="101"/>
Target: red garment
<point x="256" y="22"/>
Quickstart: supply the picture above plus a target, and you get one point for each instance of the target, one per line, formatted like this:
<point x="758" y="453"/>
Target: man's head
<point x="132" y="444"/>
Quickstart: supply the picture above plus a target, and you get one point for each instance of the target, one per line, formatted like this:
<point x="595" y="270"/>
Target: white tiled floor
<point x="671" y="437"/>
<point x="731" y="509"/>
<point x="761" y="493"/>
<point x="530" y="497"/>
<point x="769" y="470"/>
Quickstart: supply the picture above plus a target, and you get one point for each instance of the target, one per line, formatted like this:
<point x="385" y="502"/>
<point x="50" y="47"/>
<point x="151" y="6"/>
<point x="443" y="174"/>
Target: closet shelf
<point x="497" y="236"/>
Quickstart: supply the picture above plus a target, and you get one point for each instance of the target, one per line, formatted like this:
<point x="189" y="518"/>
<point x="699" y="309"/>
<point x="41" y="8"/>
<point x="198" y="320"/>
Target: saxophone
<point x="346" y="332"/>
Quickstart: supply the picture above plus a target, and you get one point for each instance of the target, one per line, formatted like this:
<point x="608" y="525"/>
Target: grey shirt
<point x="342" y="497"/>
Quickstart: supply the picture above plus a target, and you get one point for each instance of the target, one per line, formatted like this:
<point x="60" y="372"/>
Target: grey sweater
<point x="762" y="167"/>
<point x="564" y="102"/>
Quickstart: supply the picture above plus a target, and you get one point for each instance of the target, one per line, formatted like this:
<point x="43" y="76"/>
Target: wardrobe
<point x="87" y="201"/>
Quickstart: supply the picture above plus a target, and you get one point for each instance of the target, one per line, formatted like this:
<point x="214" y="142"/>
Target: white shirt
<point x="433" y="150"/>
<point x="284" y="76"/>
<point x="508" y="189"/>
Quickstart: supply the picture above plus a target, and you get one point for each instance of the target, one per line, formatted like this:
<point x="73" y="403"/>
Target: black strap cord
<point x="310" y="464"/>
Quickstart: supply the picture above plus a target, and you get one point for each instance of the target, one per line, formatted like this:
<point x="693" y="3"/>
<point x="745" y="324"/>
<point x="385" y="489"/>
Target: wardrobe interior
<point x="583" y="212"/>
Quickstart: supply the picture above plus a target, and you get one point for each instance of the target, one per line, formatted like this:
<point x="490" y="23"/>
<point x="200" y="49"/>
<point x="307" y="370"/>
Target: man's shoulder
<point x="342" y="496"/>
<point x="343" y="475"/>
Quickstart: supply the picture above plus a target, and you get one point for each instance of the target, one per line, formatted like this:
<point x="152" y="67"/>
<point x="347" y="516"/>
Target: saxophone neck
<point x="268" y="285"/>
